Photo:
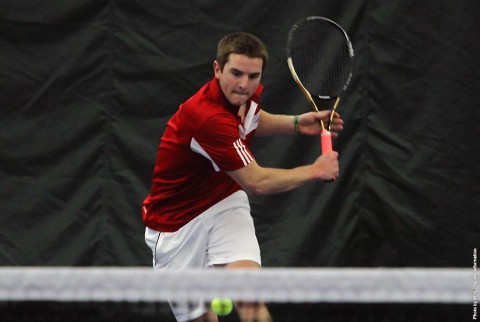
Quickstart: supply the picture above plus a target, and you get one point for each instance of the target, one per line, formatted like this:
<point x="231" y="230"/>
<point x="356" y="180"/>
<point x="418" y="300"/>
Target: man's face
<point x="240" y="78"/>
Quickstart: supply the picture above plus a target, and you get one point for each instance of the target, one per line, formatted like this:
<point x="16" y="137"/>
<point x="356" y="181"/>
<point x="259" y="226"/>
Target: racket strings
<point x="321" y="57"/>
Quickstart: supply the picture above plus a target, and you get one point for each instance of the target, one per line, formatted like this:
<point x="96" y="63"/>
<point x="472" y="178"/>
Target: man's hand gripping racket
<point x="320" y="58"/>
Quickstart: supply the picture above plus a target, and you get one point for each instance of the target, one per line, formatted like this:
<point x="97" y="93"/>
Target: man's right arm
<point x="255" y="179"/>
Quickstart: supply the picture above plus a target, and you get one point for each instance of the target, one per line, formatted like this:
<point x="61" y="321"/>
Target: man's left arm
<point x="307" y="123"/>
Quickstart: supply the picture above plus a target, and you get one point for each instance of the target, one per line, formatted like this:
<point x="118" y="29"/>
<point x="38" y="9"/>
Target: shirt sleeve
<point x="218" y="140"/>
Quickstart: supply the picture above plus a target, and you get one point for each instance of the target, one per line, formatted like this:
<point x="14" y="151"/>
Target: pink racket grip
<point x="326" y="141"/>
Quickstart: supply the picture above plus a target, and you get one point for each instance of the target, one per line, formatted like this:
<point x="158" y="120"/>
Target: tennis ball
<point x="221" y="306"/>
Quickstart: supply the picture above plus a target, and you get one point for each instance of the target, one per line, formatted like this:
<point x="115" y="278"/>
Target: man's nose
<point x="243" y="82"/>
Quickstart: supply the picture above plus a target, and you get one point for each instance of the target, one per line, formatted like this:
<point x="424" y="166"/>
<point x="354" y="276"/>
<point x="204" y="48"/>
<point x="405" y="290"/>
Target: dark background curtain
<point x="86" y="88"/>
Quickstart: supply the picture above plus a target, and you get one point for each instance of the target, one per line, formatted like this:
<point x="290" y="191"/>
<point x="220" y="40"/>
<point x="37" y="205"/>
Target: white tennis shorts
<point x="222" y="234"/>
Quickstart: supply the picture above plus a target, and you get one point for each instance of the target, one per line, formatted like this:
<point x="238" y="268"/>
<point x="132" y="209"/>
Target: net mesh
<point x="140" y="294"/>
<point x="321" y="54"/>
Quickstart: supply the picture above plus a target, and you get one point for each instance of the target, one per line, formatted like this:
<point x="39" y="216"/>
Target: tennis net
<point x="276" y="286"/>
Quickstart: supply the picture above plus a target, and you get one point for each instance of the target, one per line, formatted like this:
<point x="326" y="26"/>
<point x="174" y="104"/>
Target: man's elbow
<point x="254" y="189"/>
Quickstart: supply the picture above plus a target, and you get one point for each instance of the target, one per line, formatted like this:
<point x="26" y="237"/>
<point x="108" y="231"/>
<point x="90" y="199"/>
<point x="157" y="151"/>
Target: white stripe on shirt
<point x="196" y="147"/>
<point x="242" y="152"/>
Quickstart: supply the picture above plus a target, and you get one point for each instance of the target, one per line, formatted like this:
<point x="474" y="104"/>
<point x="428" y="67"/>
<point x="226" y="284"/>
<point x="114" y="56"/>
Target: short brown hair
<point x="242" y="43"/>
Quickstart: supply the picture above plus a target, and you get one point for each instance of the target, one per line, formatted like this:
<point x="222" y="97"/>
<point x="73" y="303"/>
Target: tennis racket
<point x="320" y="58"/>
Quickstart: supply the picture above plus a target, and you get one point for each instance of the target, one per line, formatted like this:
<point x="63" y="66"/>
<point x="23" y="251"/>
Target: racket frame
<point x="326" y="137"/>
<point x="304" y="90"/>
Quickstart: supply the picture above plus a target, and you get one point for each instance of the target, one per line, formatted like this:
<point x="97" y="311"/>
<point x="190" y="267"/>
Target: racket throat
<point x="332" y="113"/>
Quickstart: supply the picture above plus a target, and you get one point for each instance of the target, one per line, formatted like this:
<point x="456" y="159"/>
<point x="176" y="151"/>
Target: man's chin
<point x="237" y="103"/>
<point x="239" y="100"/>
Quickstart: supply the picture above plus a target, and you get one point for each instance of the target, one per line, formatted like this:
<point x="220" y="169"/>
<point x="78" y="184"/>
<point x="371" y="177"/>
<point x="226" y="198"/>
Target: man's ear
<point x="216" y="69"/>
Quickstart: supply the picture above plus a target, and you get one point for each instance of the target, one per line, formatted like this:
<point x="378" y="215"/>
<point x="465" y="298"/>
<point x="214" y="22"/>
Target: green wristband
<point x="295" y="123"/>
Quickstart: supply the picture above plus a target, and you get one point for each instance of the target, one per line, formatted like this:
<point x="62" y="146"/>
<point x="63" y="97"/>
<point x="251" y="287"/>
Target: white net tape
<point x="406" y="285"/>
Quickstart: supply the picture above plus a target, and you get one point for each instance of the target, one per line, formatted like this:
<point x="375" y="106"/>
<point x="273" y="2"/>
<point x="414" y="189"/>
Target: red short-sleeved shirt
<point x="204" y="138"/>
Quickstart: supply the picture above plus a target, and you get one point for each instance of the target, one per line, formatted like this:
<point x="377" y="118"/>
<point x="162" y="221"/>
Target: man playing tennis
<point x="197" y="214"/>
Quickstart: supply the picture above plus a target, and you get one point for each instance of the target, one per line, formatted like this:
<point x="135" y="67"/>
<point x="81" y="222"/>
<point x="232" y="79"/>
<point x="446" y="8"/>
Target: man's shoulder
<point x="201" y="107"/>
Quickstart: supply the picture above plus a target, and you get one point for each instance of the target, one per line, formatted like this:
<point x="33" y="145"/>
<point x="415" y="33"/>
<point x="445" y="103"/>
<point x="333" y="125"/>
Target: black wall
<point x="86" y="88"/>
